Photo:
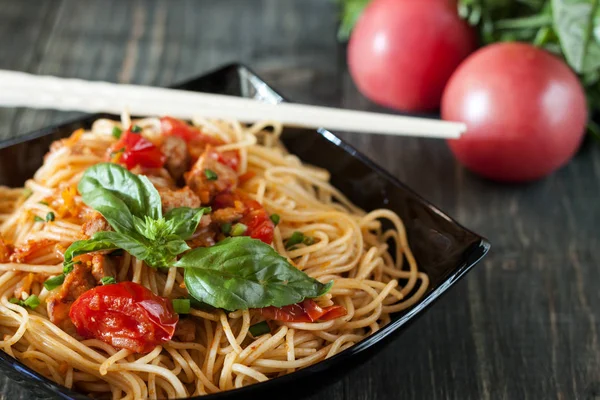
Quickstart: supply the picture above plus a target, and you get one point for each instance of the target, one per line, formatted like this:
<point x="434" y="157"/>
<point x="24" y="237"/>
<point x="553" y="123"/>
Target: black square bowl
<point x="444" y="249"/>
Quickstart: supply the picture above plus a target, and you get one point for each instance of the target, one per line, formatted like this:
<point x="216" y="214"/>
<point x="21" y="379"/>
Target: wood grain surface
<point x="525" y="324"/>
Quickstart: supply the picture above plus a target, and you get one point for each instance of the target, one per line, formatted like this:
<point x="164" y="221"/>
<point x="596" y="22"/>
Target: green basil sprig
<point x="235" y="274"/>
<point x="132" y="207"/>
<point x="240" y="273"/>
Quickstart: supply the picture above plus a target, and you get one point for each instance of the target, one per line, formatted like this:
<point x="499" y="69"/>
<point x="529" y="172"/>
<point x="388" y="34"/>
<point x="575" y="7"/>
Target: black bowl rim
<point x="473" y="255"/>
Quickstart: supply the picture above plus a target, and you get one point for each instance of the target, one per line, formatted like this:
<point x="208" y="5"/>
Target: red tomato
<point x="255" y="216"/>
<point x="402" y="52"/>
<point x="197" y="140"/>
<point x="524" y="108"/>
<point x="307" y="311"/>
<point x="133" y="149"/>
<point x="125" y="315"/>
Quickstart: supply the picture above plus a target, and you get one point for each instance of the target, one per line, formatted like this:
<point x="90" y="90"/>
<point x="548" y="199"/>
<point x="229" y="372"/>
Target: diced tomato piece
<point x="133" y="149"/>
<point x="255" y="217"/>
<point x="125" y="315"/>
<point x="307" y="311"/>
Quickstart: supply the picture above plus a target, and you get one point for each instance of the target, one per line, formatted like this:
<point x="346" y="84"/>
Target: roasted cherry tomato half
<point x="125" y="315"/>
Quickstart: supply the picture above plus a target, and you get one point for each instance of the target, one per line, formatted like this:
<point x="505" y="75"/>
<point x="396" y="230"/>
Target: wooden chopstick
<point x="19" y="89"/>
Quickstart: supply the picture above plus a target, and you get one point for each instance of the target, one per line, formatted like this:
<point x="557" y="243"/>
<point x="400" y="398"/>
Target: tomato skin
<point x="306" y="311"/>
<point x="255" y="216"/>
<point x="525" y="112"/>
<point x="402" y="52"/>
<point x="133" y="149"/>
<point x="124" y="315"/>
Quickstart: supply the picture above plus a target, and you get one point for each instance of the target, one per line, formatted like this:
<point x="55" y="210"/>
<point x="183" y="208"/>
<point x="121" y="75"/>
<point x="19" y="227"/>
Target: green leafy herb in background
<point x="567" y="28"/>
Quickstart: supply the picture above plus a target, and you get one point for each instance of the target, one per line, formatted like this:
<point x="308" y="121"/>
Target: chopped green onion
<point x="14" y="300"/>
<point x="210" y="174"/>
<point x="32" y="301"/>
<point x="54" y="282"/>
<point x="50" y="216"/>
<point x="181" y="306"/>
<point x="116" y="132"/>
<point x="259" y="329"/>
<point x="308" y="240"/>
<point x="238" y="229"/>
<point x="108" y="280"/>
<point x="38" y="219"/>
<point x="136" y="129"/>
<point x="275" y="219"/>
<point x="226" y="228"/>
<point x="44" y="203"/>
<point x="27" y="193"/>
<point x="296" y="238"/>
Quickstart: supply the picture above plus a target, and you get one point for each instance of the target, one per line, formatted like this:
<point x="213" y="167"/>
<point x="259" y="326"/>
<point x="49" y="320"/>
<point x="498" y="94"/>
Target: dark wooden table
<point x="523" y="325"/>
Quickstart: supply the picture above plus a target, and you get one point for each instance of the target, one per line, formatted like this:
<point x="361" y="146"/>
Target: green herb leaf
<point x="275" y="219"/>
<point x="117" y="132"/>
<point x="45" y="203"/>
<point x="38" y="219"/>
<point x="136" y="129"/>
<point x="210" y="174"/>
<point x="54" y="282"/>
<point x="108" y="280"/>
<point x="32" y="301"/>
<point x="183" y="221"/>
<point x="577" y="24"/>
<point x="238" y="229"/>
<point x="50" y="217"/>
<point x="226" y="228"/>
<point x="119" y="195"/>
<point x="181" y="306"/>
<point x="260" y="328"/>
<point x="296" y="238"/>
<point x="83" y="247"/>
<point x="241" y="273"/>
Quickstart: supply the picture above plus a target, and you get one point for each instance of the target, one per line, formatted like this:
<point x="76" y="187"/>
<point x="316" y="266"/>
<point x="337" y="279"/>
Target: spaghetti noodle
<point x="316" y="228"/>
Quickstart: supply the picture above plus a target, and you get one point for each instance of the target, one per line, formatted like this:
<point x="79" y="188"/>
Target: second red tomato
<point x="402" y="52"/>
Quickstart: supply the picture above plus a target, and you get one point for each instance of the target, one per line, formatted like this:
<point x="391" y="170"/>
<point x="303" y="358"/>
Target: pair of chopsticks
<point x="19" y="89"/>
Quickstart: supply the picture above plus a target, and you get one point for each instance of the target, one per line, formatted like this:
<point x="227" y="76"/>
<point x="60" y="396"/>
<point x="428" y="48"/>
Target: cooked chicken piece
<point x="76" y="283"/>
<point x="160" y="177"/>
<point x="178" y="198"/>
<point x="102" y="266"/>
<point x="178" y="158"/>
<point x="209" y="177"/>
<point x="95" y="223"/>
<point x="185" y="330"/>
<point x="225" y="215"/>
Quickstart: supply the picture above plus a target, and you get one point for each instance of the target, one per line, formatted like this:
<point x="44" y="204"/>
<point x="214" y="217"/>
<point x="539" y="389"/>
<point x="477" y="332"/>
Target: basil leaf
<point x="85" y="246"/>
<point x="240" y="273"/>
<point x="183" y="221"/>
<point x="112" y="189"/>
<point x="577" y="24"/>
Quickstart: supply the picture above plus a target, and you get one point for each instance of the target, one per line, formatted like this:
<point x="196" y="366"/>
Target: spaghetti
<point x="315" y="227"/>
